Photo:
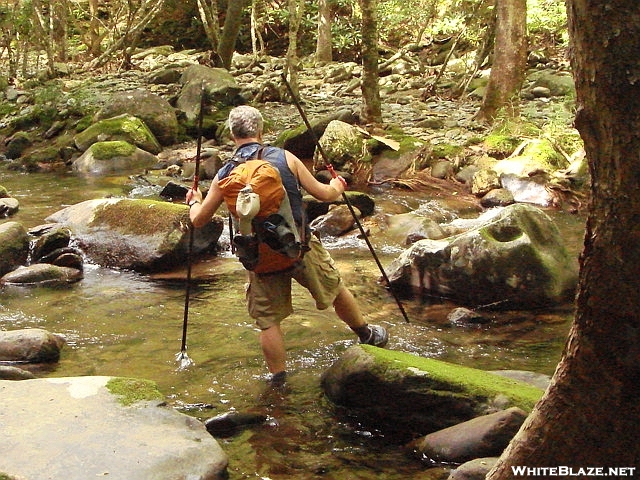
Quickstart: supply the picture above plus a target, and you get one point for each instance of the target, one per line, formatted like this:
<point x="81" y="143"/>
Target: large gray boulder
<point x="510" y="257"/>
<point x="14" y="246"/>
<point x="141" y="235"/>
<point x="152" y="109"/>
<point x="220" y="86"/>
<point x="101" y="427"/>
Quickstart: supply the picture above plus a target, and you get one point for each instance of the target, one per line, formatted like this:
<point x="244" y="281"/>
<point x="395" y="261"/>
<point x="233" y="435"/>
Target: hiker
<point x="269" y="294"/>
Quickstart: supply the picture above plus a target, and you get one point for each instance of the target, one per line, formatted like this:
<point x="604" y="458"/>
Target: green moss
<point x="473" y="381"/>
<point x="500" y="144"/>
<point x="134" y="214"/>
<point x="84" y="123"/>
<point x="107" y="150"/>
<point x="446" y="150"/>
<point x="132" y="125"/>
<point x="122" y="127"/>
<point x="44" y="155"/>
<point x="132" y="390"/>
<point x="4" y="193"/>
<point x="543" y="152"/>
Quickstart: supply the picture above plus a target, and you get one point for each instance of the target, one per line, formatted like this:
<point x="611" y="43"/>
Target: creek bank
<point x="73" y="428"/>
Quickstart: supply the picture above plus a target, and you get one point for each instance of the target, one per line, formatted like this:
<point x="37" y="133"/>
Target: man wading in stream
<point x="269" y="294"/>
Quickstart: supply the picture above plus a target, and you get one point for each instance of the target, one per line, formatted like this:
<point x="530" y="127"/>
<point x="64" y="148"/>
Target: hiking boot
<point x="378" y="336"/>
<point x="277" y="379"/>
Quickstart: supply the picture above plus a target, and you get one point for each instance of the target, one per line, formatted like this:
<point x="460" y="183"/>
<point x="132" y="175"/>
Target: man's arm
<point x="321" y="191"/>
<point x="201" y="211"/>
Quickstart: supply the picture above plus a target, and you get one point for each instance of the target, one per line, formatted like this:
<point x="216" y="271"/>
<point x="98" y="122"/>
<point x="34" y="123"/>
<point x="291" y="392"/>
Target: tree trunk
<point x="371" y="107"/>
<point x="590" y="414"/>
<point x="93" y="34"/>
<point x="296" y="10"/>
<point x="257" y="23"/>
<point x="43" y="27"/>
<point x="324" y="43"/>
<point x="510" y="60"/>
<point x="132" y="31"/>
<point x="209" y="18"/>
<point x="232" y="24"/>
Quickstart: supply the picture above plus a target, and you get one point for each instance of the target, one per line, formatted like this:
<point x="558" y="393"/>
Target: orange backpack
<point x="273" y="244"/>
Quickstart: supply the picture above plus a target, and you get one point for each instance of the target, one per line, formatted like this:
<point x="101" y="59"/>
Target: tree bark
<point x="209" y="18"/>
<point x="232" y="24"/>
<point x="510" y="60"/>
<point x="590" y="414"/>
<point x="296" y="10"/>
<point x="371" y="105"/>
<point x="324" y="43"/>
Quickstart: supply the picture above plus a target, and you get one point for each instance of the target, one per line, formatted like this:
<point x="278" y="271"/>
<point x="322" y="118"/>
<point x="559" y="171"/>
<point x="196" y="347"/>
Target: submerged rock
<point x="32" y="345"/>
<point x="484" y="436"/>
<point x="42" y="274"/>
<point x="226" y="424"/>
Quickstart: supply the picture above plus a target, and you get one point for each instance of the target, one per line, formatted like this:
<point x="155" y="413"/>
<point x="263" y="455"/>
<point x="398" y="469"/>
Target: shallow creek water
<point x="125" y="324"/>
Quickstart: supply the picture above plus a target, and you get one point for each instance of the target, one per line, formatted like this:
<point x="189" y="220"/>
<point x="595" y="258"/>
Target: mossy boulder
<point x="345" y="147"/>
<point x="125" y="128"/>
<point x="18" y="144"/>
<point x="113" y="157"/>
<point x="142" y="235"/>
<point x="14" y="246"/>
<point x="501" y="145"/>
<point x="559" y="84"/>
<point x="409" y="395"/>
<point x="220" y="89"/>
<point x="152" y="109"/>
<point x="301" y="142"/>
<point x="537" y="155"/>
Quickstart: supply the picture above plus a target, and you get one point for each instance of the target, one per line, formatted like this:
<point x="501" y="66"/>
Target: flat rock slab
<point x="76" y="428"/>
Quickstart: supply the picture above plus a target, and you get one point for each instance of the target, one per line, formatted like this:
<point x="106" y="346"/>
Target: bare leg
<point x="272" y="343"/>
<point x="348" y="310"/>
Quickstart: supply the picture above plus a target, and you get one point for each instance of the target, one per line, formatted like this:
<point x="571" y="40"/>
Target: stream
<point x="122" y="323"/>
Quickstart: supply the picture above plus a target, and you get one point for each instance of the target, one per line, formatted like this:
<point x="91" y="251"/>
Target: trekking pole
<point x="182" y="356"/>
<point x="346" y="200"/>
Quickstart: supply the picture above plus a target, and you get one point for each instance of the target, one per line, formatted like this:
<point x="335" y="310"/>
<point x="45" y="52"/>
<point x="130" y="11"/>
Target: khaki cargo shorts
<point x="269" y="295"/>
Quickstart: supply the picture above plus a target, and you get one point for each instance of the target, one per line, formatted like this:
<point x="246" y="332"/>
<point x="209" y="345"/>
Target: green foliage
<point x="548" y="19"/>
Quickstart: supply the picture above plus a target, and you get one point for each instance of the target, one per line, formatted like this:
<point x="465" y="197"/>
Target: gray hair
<point x="245" y="122"/>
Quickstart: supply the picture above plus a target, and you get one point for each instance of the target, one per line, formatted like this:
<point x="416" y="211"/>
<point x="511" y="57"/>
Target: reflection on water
<point x="122" y="323"/>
